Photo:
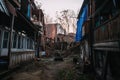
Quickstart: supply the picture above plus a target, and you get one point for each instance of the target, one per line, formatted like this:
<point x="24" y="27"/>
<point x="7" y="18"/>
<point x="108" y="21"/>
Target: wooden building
<point x="100" y="37"/>
<point x="18" y="34"/>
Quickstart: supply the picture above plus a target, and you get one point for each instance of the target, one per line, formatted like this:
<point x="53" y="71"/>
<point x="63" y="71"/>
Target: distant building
<point x="56" y="33"/>
<point x="52" y="31"/>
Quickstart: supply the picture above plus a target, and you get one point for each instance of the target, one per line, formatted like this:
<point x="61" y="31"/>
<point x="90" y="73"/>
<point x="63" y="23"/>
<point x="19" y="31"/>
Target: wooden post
<point x="91" y="27"/>
<point x="35" y="39"/>
<point x="38" y="45"/>
<point x="105" y="67"/>
<point x="10" y="42"/>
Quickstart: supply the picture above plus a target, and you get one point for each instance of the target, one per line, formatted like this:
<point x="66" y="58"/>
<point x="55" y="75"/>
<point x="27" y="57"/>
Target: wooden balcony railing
<point x="21" y="57"/>
<point x="108" y="31"/>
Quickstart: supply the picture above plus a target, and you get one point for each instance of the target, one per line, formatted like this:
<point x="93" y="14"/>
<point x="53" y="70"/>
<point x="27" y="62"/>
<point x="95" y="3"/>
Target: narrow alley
<point x="49" y="69"/>
<point x="59" y="39"/>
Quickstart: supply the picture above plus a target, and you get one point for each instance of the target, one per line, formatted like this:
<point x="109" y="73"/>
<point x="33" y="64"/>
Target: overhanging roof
<point x="22" y="23"/>
<point x="10" y="8"/>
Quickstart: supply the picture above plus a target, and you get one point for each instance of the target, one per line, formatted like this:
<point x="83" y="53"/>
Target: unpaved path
<point x="46" y="69"/>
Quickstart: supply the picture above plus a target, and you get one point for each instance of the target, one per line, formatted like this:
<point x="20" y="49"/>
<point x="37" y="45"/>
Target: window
<point x="14" y="40"/>
<point x="31" y="44"/>
<point x="5" y="40"/>
<point x="28" y="43"/>
<point x="19" y="41"/>
<point x="22" y="42"/>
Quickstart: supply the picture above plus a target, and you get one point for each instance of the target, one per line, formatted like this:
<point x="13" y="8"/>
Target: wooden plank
<point x="107" y="44"/>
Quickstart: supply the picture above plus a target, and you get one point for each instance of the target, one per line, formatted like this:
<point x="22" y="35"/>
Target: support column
<point x="10" y="42"/>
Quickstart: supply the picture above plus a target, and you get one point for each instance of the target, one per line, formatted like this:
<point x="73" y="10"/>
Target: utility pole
<point x="91" y="27"/>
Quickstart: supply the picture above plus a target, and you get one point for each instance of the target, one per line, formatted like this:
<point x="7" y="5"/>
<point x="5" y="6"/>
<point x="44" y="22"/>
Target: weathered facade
<point x="38" y="19"/>
<point x="99" y="29"/>
<point x="53" y="31"/>
<point x="18" y="35"/>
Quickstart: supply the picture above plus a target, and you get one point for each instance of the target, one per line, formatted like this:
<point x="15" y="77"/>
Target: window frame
<point x="15" y="39"/>
<point x="6" y="39"/>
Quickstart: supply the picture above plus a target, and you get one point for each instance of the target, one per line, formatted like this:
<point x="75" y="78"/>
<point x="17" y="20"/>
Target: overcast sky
<point x="51" y="6"/>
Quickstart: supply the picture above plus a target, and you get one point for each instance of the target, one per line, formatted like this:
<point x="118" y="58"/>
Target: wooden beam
<point x="99" y="9"/>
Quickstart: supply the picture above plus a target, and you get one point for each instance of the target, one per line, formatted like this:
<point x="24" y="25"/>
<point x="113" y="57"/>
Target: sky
<point x="51" y="6"/>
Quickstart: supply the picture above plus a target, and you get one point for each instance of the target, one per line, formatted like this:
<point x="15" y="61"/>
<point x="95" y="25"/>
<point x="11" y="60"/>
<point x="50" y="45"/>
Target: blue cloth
<point x="29" y="11"/>
<point x="80" y="22"/>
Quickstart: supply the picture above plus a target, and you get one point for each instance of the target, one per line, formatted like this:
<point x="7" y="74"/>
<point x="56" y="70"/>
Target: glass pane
<point x="15" y="41"/>
<point x="5" y="43"/>
<point x="27" y="43"/>
<point x="19" y="42"/>
<point x="24" y="43"/>
<point x="5" y="40"/>
<point x="30" y="44"/>
<point x="5" y="35"/>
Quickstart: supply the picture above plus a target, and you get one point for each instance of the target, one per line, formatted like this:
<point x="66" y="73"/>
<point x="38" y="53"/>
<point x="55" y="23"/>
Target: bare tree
<point x="67" y="18"/>
<point x="48" y="19"/>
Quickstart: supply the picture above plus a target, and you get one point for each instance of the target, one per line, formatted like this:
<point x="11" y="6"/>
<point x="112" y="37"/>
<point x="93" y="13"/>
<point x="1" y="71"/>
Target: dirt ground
<point x="46" y="69"/>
